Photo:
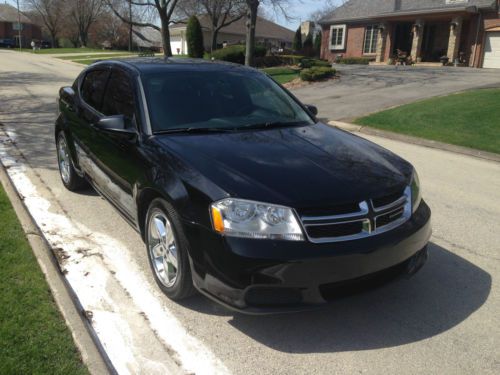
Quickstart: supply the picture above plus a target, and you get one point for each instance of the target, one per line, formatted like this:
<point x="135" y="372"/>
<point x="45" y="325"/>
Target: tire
<point x="167" y="249"/>
<point x="69" y="177"/>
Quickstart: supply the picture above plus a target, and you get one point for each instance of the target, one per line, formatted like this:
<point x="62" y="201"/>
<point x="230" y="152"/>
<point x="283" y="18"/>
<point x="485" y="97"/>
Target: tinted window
<point x="119" y="98"/>
<point x="93" y="87"/>
<point x="218" y="99"/>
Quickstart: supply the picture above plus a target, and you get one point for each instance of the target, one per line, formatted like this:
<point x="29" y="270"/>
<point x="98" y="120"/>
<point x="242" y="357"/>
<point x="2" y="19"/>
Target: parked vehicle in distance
<point x="236" y="188"/>
<point x="7" y="43"/>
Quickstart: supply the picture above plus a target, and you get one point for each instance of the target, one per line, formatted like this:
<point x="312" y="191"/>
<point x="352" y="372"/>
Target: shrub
<point x="309" y="63"/>
<point x="292" y="59"/>
<point x="236" y="53"/>
<point x="268" y="61"/>
<point x="297" y="40"/>
<point x="316" y="73"/>
<point x="355" y="60"/>
<point x="194" y="37"/>
<point x="317" y="43"/>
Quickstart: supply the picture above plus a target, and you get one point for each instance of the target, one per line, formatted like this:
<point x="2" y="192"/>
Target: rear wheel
<point x="167" y="251"/>
<point x="69" y="177"/>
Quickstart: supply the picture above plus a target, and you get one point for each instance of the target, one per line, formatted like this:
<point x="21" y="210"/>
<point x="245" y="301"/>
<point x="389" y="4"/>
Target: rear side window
<point x="119" y="98"/>
<point x="93" y="88"/>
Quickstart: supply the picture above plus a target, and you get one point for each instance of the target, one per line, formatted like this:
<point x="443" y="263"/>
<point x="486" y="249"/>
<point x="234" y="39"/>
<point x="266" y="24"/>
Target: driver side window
<point x="119" y="97"/>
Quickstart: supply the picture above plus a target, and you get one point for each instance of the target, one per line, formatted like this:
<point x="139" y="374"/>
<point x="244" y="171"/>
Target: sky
<point x="299" y="10"/>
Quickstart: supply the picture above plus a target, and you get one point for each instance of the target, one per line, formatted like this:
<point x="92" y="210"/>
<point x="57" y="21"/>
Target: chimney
<point x="397" y="5"/>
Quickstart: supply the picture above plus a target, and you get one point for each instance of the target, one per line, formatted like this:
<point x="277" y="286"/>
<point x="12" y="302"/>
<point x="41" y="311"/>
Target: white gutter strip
<point x="111" y="286"/>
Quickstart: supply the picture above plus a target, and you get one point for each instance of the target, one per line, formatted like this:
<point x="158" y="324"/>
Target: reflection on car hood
<point x="301" y="167"/>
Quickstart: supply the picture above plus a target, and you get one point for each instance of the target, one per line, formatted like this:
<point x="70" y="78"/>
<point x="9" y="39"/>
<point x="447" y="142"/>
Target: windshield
<point x="212" y="100"/>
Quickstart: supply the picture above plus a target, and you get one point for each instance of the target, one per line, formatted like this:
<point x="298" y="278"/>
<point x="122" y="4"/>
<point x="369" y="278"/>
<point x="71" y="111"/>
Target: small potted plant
<point x="444" y="60"/>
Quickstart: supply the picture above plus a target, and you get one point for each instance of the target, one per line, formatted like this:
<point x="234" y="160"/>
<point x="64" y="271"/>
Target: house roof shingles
<point x="264" y="28"/>
<point x="9" y="14"/>
<point x="362" y="9"/>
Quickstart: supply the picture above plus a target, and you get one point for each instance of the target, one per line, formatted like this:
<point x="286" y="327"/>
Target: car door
<point x="117" y="153"/>
<point x="87" y="113"/>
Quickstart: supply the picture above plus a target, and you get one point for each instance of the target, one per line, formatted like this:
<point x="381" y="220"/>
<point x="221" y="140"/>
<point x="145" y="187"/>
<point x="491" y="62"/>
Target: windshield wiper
<point x="193" y="130"/>
<point x="271" y="124"/>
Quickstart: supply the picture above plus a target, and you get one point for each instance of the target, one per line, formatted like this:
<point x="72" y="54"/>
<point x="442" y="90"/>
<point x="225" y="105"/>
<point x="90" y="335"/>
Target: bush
<point x="297" y="40"/>
<point x="236" y="53"/>
<point x="316" y="73"/>
<point x="194" y="37"/>
<point x="291" y="59"/>
<point x="355" y="60"/>
<point x="268" y="61"/>
<point x="309" y="63"/>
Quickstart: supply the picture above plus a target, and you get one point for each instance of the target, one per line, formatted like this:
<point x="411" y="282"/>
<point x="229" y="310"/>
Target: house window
<point x="337" y="37"/>
<point x="371" y="35"/>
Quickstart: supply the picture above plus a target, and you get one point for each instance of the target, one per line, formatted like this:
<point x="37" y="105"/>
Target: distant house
<point x="266" y="32"/>
<point x="9" y="28"/>
<point x="467" y="30"/>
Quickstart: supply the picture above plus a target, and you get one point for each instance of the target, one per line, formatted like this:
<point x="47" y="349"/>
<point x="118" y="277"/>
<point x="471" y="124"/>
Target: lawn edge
<point x="85" y="339"/>
<point x="354" y="128"/>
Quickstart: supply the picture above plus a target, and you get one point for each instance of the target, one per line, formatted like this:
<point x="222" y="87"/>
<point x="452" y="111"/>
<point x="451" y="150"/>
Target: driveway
<point x="366" y="89"/>
<point x="443" y="321"/>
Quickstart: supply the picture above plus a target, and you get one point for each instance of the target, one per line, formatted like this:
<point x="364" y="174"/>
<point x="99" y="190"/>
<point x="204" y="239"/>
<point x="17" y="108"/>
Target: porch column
<point x="454" y="40"/>
<point x="416" y="46"/>
<point x="381" y="41"/>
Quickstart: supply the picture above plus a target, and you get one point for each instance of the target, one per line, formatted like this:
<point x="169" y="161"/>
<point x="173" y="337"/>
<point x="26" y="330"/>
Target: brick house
<point x="9" y="27"/>
<point x="468" y="30"/>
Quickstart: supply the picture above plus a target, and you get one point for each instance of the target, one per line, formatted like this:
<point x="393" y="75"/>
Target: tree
<point x="251" y="15"/>
<point x="308" y="46"/>
<point x="83" y="13"/>
<point x="194" y="37"/>
<point x="297" y="40"/>
<point x="51" y="14"/>
<point x="221" y="13"/>
<point x="164" y="9"/>
<point x="317" y="43"/>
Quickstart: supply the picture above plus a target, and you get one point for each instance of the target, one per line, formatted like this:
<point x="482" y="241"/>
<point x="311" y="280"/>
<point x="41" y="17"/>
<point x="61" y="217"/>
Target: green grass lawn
<point x="470" y="119"/>
<point x="93" y="56"/>
<point x="45" y="51"/>
<point x="33" y="335"/>
<point x="282" y="75"/>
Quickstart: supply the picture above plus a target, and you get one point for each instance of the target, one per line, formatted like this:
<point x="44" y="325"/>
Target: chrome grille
<point x="373" y="216"/>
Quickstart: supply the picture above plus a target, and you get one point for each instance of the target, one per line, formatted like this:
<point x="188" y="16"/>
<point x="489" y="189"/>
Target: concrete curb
<point x="92" y="352"/>
<point x="353" y="128"/>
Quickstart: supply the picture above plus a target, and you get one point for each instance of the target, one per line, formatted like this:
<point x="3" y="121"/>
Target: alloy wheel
<point x="163" y="249"/>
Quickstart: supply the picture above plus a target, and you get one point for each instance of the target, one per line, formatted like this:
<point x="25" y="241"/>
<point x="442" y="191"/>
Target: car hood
<point x="313" y="166"/>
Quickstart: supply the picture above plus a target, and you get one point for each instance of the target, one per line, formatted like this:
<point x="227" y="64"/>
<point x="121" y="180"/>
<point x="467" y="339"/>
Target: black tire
<point x="182" y="287"/>
<point x="69" y="178"/>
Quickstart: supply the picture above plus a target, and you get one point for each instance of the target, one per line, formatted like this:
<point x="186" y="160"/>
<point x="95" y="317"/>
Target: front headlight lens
<point x="416" y="194"/>
<point x="249" y="219"/>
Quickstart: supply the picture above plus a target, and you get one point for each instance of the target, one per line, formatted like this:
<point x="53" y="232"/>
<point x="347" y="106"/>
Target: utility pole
<point x="19" y="26"/>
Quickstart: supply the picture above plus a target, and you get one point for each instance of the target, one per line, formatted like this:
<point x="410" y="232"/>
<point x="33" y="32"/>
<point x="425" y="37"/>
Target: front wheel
<point x="68" y="174"/>
<point x="167" y="251"/>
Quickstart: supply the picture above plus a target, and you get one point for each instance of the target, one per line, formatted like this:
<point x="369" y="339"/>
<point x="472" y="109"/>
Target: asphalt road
<point x="361" y="90"/>
<point x="444" y="320"/>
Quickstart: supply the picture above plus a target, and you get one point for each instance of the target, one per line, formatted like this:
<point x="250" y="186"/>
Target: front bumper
<point x="265" y="276"/>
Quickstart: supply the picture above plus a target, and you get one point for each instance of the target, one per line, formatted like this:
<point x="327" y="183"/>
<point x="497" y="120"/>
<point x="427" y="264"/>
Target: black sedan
<point x="236" y="188"/>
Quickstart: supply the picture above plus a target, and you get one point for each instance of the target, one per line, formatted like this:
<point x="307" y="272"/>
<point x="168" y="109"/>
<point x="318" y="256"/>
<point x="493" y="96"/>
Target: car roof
<point x="162" y="64"/>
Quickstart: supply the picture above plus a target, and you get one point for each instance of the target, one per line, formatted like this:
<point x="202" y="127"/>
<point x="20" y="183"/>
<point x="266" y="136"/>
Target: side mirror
<point x="67" y="95"/>
<point x="313" y="109"/>
<point x="115" y="124"/>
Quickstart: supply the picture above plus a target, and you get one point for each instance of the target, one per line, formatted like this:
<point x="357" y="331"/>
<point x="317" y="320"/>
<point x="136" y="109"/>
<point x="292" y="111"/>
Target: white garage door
<point x="492" y="50"/>
<point x="177" y="46"/>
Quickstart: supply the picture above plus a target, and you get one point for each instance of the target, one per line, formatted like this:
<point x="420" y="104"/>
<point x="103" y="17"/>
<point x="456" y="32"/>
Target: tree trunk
<point x="165" y="38"/>
<point x="53" y="38"/>
<point x="130" y="26"/>
<point x="253" y="6"/>
<point x="215" y="32"/>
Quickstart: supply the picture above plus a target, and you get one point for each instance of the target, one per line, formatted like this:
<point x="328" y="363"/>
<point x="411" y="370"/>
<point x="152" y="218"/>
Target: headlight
<point x="416" y="194"/>
<point x="249" y="219"/>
